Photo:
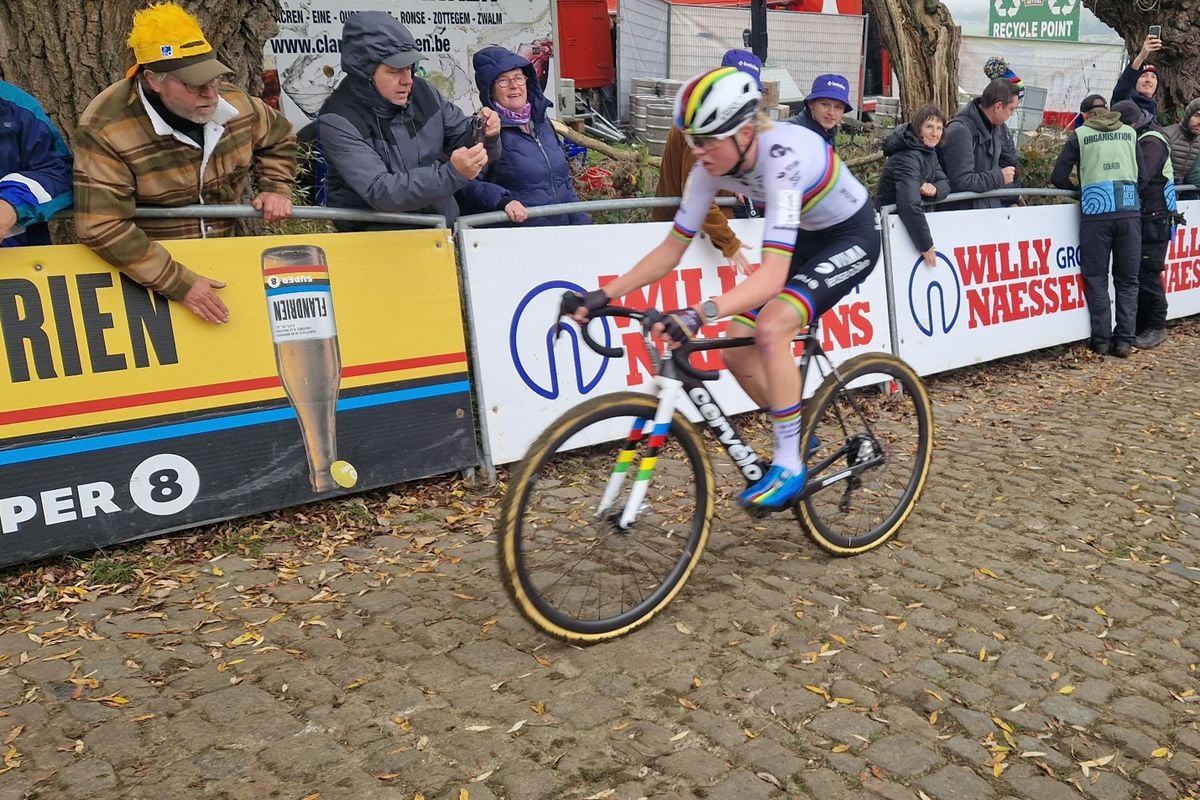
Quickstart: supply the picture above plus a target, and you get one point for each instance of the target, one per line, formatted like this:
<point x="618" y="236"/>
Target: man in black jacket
<point x="1158" y="216"/>
<point x="974" y="143"/>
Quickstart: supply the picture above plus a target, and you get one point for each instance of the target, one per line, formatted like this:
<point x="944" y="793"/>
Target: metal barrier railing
<point x="616" y="204"/>
<point x="298" y="212"/>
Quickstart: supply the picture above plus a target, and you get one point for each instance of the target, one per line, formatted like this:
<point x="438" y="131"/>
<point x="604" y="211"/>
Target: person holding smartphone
<point x="532" y="168"/>
<point x="1139" y="80"/>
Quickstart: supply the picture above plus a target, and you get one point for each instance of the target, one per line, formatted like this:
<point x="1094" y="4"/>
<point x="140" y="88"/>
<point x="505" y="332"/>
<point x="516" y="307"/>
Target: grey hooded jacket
<point x="973" y="152"/>
<point x="385" y="157"/>
<point x="1185" y="147"/>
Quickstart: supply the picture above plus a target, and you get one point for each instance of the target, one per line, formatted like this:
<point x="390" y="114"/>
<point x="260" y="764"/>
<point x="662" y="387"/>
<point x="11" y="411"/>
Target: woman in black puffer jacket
<point x="912" y="173"/>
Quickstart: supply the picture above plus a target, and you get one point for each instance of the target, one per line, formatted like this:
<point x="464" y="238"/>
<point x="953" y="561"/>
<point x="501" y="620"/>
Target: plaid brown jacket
<point x="122" y="161"/>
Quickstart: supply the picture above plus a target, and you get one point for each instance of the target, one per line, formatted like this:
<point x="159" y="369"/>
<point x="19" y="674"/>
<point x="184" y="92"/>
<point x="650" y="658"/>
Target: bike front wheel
<point x="572" y="565"/>
<point x="872" y="427"/>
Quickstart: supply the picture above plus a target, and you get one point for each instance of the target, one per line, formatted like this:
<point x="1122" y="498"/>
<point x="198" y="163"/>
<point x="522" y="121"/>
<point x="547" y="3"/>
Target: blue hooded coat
<point x="35" y="165"/>
<point x="532" y="167"/>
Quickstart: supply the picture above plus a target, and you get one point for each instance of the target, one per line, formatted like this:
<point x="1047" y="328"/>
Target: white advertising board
<point x="306" y="52"/>
<point x="525" y="378"/>
<point x="1007" y="281"/>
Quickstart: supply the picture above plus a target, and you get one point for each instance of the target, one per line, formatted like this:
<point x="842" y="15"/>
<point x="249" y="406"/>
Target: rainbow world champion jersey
<point x="796" y="175"/>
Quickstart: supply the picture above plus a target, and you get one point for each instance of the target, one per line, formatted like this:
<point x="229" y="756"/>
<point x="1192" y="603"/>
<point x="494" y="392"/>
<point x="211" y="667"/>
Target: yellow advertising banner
<point x="343" y="365"/>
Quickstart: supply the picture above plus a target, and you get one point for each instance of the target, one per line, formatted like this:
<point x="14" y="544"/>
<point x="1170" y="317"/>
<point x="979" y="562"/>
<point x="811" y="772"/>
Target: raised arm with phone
<point x="1139" y="80"/>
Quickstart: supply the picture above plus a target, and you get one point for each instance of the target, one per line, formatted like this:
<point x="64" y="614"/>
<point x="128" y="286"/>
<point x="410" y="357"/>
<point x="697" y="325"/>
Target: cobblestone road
<point x="1033" y="635"/>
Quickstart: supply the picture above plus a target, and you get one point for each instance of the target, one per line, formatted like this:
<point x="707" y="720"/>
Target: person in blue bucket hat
<point x="825" y="106"/>
<point x="746" y="61"/>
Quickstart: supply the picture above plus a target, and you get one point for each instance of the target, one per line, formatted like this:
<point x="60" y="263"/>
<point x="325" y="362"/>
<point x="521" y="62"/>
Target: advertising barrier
<point x="1007" y="281"/>
<point x="526" y="377"/>
<point x="123" y="416"/>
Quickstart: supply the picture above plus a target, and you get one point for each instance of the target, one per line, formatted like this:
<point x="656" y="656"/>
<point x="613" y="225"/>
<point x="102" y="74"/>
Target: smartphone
<point x="1156" y="31"/>
<point x="476" y="129"/>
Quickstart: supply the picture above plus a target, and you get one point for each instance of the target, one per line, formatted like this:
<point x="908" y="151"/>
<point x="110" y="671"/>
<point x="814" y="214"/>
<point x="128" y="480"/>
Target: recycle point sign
<point x="1057" y="20"/>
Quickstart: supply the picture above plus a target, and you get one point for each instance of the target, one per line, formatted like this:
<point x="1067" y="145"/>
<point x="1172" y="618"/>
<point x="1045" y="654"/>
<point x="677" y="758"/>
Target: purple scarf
<point x="515" y="117"/>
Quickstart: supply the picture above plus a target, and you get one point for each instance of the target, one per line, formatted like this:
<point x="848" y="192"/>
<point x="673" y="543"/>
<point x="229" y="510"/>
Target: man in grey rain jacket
<point x="976" y="153"/>
<point x="391" y="141"/>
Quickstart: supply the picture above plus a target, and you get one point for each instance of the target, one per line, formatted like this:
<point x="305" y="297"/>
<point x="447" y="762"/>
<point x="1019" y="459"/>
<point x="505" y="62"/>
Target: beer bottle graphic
<point x="300" y="307"/>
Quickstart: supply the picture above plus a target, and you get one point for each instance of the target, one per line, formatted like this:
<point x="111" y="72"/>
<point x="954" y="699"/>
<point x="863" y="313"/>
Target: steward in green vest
<point x="1110" y="181"/>
<point x="1159" y="215"/>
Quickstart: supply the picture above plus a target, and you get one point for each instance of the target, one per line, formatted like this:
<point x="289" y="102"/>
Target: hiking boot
<point x="1121" y="348"/>
<point x="777" y="489"/>
<point x="1100" y="347"/>
<point x="1150" y="338"/>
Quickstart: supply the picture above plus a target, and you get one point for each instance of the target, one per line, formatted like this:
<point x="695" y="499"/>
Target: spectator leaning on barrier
<point x="171" y="134"/>
<point x="997" y="67"/>
<point x="1184" y="137"/>
<point x="1110" y="225"/>
<point x="677" y="162"/>
<point x="35" y="166"/>
<point x="391" y="141"/>
<point x="825" y="106"/>
<point x="912" y="172"/>
<point x="974" y="145"/>
<point x="1159" y="212"/>
<point x="532" y="168"/>
<point x="1139" y="81"/>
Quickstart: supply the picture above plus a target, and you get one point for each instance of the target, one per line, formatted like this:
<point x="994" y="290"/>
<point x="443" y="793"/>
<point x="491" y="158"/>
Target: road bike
<point x="608" y="514"/>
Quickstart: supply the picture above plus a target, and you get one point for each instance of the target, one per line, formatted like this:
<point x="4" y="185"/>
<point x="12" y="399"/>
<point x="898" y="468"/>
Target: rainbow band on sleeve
<point x="824" y="185"/>
<point x="682" y="234"/>
<point x="778" y="248"/>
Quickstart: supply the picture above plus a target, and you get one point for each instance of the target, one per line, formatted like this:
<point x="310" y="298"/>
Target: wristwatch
<point x="709" y="311"/>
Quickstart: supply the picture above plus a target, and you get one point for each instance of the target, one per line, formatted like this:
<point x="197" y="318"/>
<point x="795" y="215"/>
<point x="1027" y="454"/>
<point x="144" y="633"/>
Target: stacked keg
<point x="651" y="105"/>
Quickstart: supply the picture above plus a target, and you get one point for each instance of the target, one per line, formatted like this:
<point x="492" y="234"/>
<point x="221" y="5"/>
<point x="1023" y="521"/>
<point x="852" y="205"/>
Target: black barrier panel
<point x="120" y="483"/>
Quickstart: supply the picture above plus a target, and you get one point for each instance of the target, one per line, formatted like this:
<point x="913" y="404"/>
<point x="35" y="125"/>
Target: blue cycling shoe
<point x="777" y="489"/>
<point x="814" y="444"/>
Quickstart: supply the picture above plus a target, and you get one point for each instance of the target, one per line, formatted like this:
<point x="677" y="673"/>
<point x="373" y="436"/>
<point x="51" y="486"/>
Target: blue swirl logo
<point x="531" y="342"/>
<point x="934" y="295"/>
<point x="1098" y="199"/>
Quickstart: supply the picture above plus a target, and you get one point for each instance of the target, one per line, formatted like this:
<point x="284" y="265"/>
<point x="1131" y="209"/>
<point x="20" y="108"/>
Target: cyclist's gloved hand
<point x="682" y="324"/>
<point x="581" y="306"/>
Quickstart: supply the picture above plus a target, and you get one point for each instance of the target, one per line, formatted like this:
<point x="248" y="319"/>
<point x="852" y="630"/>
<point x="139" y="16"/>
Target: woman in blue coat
<point x="912" y="175"/>
<point x="532" y="171"/>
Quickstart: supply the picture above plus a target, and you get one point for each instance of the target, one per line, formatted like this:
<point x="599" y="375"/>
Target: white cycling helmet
<point x="716" y="103"/>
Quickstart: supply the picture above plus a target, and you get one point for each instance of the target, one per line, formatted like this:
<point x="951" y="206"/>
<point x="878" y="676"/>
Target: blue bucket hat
<point x="746" y="61"/>
<point x="831" y="87"/>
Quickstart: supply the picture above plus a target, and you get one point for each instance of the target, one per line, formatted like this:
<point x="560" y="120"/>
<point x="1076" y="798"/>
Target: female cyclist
<point x="820" y="241"/>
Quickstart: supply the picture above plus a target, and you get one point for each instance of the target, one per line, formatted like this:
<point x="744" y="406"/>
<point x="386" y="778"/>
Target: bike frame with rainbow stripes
<point x="677" y="377"/>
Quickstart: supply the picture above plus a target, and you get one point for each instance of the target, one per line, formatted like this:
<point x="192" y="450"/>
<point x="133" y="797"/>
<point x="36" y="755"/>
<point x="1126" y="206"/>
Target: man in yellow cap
<point x="172" y="133"/>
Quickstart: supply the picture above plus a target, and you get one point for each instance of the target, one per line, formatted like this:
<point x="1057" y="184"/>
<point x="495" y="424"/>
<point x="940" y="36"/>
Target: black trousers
<point x="1121" y="241"/>
<point x="1152" y="297"/>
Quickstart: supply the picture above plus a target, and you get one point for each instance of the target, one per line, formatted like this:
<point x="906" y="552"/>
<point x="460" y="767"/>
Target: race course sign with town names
<point x="1057" y="20"/>
<point x="306" y="51"/>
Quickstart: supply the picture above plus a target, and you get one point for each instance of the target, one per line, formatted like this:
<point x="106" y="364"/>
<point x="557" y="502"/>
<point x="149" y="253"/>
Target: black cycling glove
<point x="682" y="324"/>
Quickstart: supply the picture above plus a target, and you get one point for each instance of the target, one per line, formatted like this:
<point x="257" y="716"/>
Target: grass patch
<point x="108" y="571"/>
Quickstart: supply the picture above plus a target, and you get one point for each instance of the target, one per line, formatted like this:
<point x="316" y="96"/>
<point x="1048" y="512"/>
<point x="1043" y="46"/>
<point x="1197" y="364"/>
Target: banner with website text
<point x="1007" y="281"/>
<point x="123" y="415"/>
<point x="526" y="377"/>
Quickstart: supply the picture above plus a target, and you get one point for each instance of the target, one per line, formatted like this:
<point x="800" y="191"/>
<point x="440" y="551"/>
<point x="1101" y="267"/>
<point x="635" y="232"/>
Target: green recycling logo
<point x="1010" y="8"/>
<point x="1061" y="7"/>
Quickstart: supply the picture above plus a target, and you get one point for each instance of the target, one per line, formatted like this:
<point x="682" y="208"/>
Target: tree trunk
<point x="1178" y="62"/>
<point x="922" y="42"/>
<point x="64" y="52"/>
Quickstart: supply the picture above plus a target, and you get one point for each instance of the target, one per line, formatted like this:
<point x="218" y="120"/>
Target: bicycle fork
<point x="668" y="391"/>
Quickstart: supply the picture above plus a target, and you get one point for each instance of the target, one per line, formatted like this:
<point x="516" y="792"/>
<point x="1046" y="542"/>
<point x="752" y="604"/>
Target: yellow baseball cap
<point x="166" y="38"/>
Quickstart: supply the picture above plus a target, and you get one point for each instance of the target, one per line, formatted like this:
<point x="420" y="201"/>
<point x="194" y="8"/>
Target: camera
<point x="476" y="129"/>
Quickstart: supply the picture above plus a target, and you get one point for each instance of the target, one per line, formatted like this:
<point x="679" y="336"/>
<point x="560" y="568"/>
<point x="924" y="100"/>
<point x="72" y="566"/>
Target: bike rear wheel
<point x="889" y="429"/>
<point x="571" y="569"/>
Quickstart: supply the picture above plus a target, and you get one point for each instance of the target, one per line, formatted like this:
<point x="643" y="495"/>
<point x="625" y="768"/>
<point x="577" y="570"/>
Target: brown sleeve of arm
<point x="677" y="162"/>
